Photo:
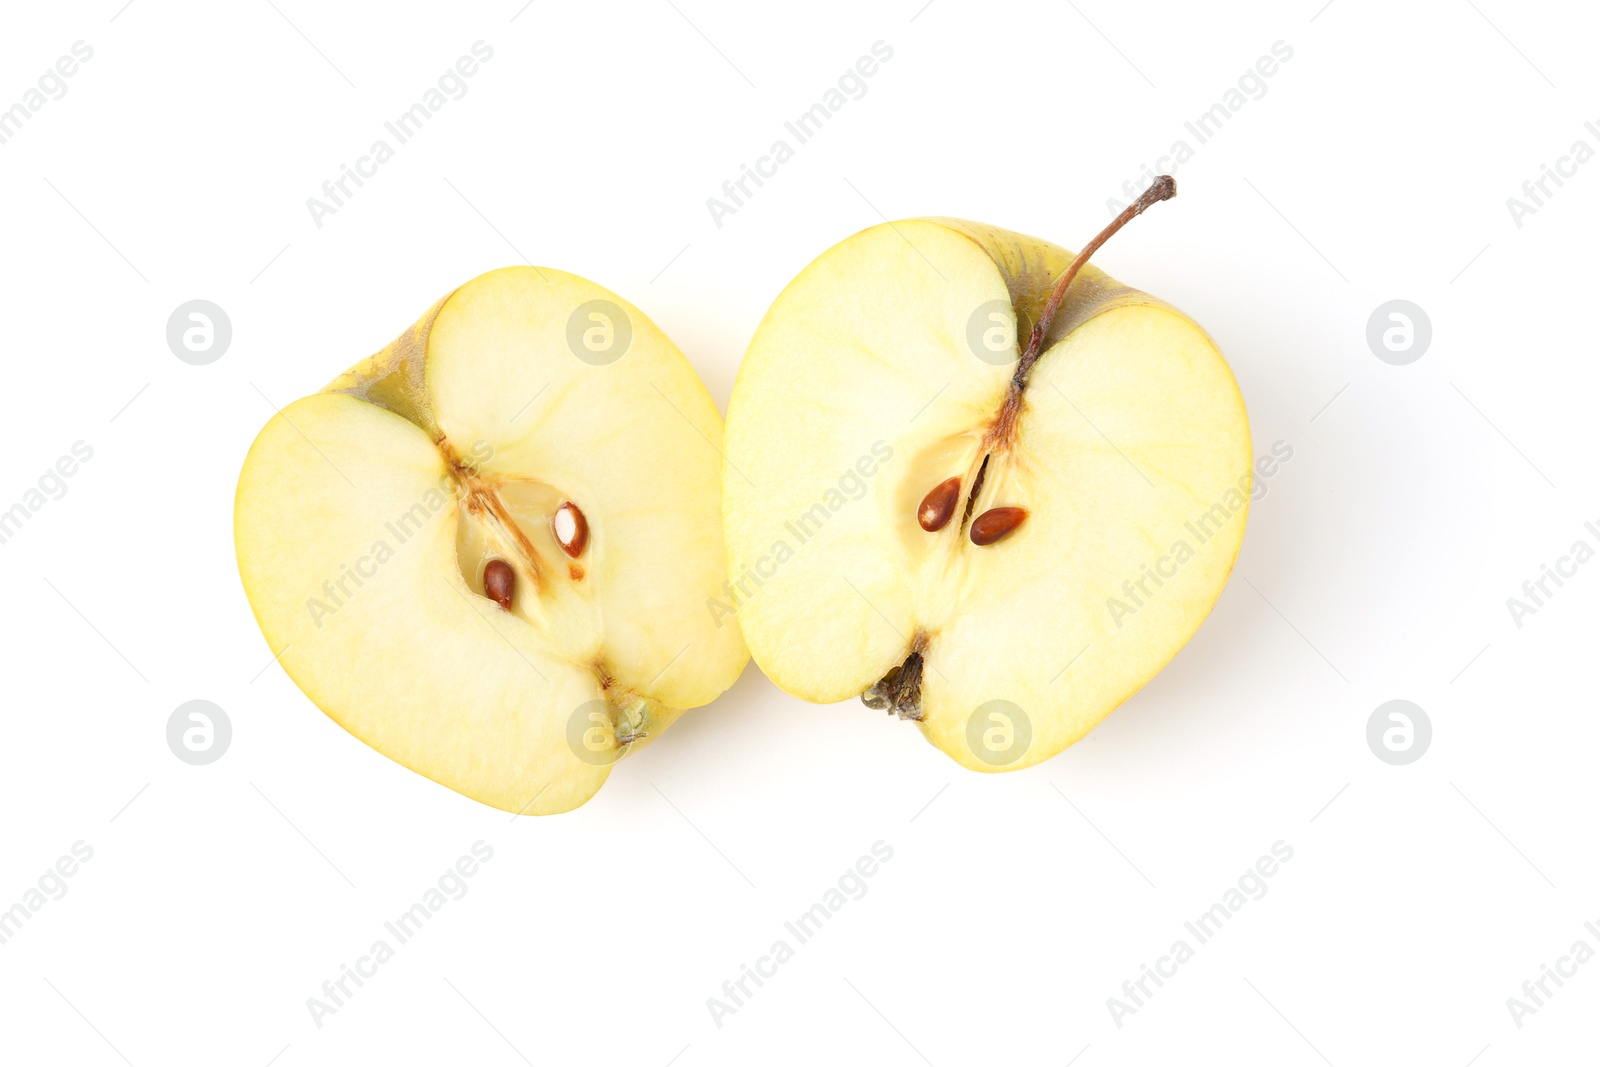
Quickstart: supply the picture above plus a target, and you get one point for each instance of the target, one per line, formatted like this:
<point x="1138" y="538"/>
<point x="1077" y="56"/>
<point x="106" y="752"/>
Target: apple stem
<point x="1163" y="188"/>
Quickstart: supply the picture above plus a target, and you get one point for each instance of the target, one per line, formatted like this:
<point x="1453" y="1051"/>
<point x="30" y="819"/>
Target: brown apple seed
<point x="940" y="503"/>
<point x="499" y="580"/>
<point x="571" y="529"/>
<point x="995" y="524"/>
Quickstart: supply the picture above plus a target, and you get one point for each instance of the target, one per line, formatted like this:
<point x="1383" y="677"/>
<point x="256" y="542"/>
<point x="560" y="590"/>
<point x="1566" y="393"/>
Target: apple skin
<point x="853" y="349"/>
<point x="1030" y="267"/>
<point x="393" y="377"/>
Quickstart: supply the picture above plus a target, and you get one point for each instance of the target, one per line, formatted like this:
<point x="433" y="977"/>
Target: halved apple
<point x="980" y="484"/>
<point x="486" y="550"/>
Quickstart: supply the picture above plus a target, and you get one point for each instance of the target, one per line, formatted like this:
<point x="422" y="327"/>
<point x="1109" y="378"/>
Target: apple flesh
<point x="977" y="584"/>
<point x="486" y="551"/>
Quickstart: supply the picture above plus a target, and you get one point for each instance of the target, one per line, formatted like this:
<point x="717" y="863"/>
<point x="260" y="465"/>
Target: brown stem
<point x="1163" y="188"/>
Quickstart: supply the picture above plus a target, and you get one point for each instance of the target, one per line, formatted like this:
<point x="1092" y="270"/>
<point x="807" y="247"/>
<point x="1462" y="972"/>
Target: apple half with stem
<point x="980" y="484"/>
<point x="486" y="551"/>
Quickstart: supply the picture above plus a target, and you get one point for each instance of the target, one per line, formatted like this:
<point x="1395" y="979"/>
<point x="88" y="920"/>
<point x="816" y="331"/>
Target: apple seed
<point x="996" y="523"/>
<point x="940" y="503"/>
<point x="571" y="529"/>
<point x="499" y="580"/>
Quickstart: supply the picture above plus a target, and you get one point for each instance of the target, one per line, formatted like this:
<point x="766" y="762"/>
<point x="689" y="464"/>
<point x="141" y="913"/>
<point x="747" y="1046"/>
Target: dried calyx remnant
<point x="900" y="691"/>
<point x="630" y="713"/>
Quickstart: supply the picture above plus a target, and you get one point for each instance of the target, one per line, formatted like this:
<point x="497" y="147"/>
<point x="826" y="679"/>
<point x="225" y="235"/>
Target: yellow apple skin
<point x="1131" y="427"/>
<point x="366" y="515"/>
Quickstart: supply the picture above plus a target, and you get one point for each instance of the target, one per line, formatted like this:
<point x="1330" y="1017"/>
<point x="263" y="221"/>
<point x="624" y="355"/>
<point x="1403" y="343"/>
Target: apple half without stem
<point x="1101" y="458"/>
<point x="486" y="551"/>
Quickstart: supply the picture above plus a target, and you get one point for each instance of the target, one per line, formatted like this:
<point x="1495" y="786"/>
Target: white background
<point x="1377" y="166"/>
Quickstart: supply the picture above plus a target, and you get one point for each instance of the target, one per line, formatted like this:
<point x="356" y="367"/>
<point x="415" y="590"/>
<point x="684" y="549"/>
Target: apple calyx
<point x="900" y="691"/>
<point x="629" y="711"/>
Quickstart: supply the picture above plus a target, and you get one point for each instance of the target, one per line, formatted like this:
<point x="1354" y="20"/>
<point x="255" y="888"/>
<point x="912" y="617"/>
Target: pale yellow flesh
<point x="1132" y="426"/>
<point x="400" y="646"/>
